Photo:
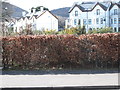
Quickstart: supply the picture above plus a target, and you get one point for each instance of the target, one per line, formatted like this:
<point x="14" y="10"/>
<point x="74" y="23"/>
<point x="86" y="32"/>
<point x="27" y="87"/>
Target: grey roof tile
<point x="89" y="6"/>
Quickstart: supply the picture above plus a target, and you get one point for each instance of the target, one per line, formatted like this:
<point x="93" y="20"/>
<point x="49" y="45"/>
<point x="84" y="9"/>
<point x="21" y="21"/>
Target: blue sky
<point x="51" y="4"/>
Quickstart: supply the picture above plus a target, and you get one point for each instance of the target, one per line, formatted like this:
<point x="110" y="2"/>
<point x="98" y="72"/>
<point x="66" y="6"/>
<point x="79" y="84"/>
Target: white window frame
<point x="76" y="13"/>
<point x="98" y="12"/>
<point x="89" y="21"/>
<point x="75" y="21"/>
<point x="115" y="20"/>
<point x="115" y="11"/>
<point x="97" y="20"/>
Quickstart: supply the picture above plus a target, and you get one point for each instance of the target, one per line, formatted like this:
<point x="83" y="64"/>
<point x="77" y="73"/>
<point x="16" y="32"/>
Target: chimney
<point x="34" y="10"/>
<point x="41" y="8"/>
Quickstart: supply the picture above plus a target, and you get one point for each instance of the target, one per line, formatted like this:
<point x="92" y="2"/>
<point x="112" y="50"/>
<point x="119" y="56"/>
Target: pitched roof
<point x="45" y="12"/>
<point x="35" y="16"/>
<point x="104" y="6"/>
<point x="89" y="6"/>
<point x="84" y="6"/>
<point x="112" y="4"/>
<point x="76" y="6"/>
<point x="28" y="17"/>
<point x="118" y="4"/>
<point x="39" y="14"/>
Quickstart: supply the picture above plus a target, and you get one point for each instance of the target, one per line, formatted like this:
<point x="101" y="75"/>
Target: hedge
<point x="61" y="51"/>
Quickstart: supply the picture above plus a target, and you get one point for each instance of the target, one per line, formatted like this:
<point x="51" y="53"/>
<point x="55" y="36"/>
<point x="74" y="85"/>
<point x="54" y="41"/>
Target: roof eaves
<point x="44" y="12"/>
<point x="28" y="17"/>
<point x="35" y="16"/>
<point x="113" y="5"/>
<point x="102" y="6"/>
<point x="40" y="15"/>
<point x="81" y="8"/>
<point x="31" y="17"/>
<point x="72" y="8"/>
<point x="53" y="14"/>
<point x="118" y="5"/>
<point x="23" y="18"/>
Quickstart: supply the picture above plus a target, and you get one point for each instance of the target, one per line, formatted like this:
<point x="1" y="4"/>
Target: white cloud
<point x="51" y="4"/>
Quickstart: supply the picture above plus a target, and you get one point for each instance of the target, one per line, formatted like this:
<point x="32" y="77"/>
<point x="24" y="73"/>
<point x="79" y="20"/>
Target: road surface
<point x="59" y="80"/>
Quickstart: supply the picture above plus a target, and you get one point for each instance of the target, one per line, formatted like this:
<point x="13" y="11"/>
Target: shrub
<point x="74" y="30"/>
<point x="61" y="51"/>
<point x="37" y="32"/>
<point x="49" y="32"/>
<point x="102" y="30"/>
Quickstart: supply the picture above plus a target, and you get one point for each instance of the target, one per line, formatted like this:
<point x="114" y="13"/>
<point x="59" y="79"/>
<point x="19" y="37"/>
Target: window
<point x="89" y="21"/>
<point x="115" y="11"/>
<point x="68" y="20"/>
<point x="76" y="13"/>
<point x="111" y="21"/>
<point x="119" y="29"/>
<point x="115" y="20"/>
<point x="97" y="20"/>
<point x="102" y="20"/>
<point x="90" y="28"/>
<point x="115" y="29"/>
<point x="98" y="12"/>
<point x="119" y="21"/>
<point x="79" y="22"/>
<point x="84" y="22"/>
<point x="75" y="21"/>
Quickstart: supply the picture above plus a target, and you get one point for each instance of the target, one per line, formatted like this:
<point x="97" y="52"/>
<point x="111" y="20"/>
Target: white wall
<point x="72" y="16"/>
<point x="19" y="25"/>
<point x="112" y="16"/>
<point x="105" y="15"/>
<point x="32" y="21"/>
<point x="88" y="15"/>
<point x="47" y="21"/>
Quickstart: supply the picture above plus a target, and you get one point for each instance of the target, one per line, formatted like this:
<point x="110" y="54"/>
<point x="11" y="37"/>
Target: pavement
<point x="59" y="80"/>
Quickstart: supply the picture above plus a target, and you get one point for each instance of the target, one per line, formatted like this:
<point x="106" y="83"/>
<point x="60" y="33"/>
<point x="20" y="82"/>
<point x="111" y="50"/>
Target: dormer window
<point x="76" y="13"/>
<point x="98" y="12"/>
<point x="115" y="11"/>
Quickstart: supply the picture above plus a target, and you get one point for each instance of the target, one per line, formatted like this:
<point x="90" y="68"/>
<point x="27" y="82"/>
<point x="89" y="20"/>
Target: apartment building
<point x="95" y="15"/>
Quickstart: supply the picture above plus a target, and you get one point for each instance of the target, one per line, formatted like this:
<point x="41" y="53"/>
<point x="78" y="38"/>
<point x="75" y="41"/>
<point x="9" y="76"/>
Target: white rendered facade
<point x="94" y="15"/>
<point x="38" y="21"/>
<point x="46" y="21"/>
<point x="115" y="18"/>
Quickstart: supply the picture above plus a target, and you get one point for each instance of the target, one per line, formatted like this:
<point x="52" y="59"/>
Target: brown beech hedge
<point x="61" y="51"/>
